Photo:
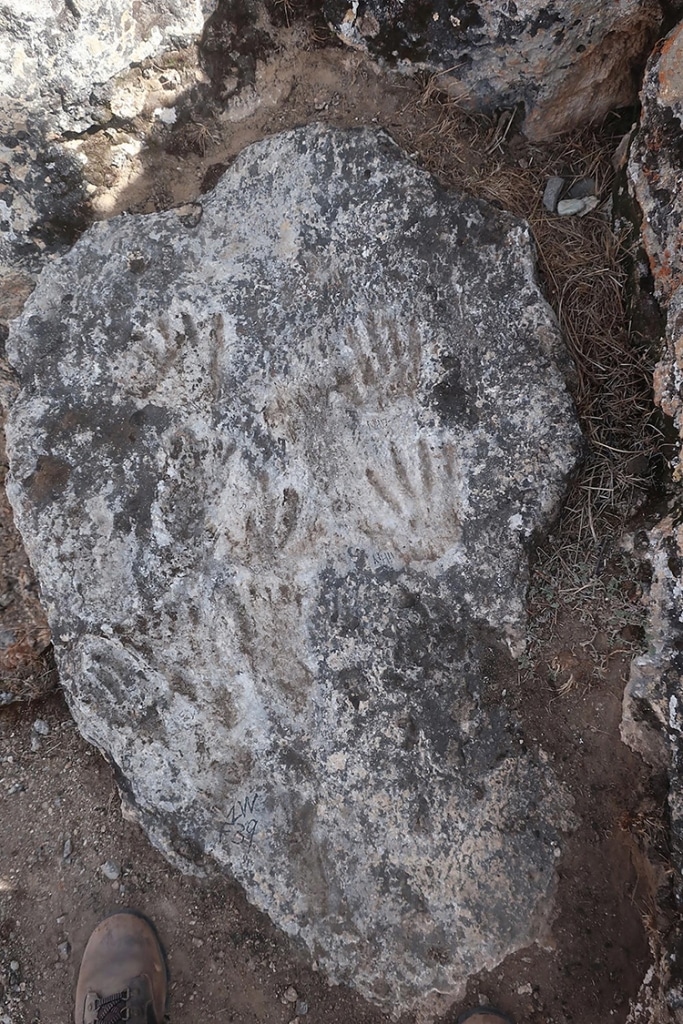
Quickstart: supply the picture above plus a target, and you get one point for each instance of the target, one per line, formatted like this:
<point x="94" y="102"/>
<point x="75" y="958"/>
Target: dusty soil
<point x="60" y="816"/>
<point x="61" y="822"/>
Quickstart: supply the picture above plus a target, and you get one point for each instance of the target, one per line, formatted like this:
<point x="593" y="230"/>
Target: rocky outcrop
<point x="653" y="702"/>
<point x="56" y="55"/>
<point x="277" y="462"/>
<point x="655" y="169"/>
<point x="68" y="68"/>
<point x="656" y="164"/>
<point x="569" y="63"/>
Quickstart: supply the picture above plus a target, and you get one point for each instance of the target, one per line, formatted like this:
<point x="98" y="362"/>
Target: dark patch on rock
<point x="49" y="480"/>
<point x="452" y="397"/>
<point x="46" y="194"/>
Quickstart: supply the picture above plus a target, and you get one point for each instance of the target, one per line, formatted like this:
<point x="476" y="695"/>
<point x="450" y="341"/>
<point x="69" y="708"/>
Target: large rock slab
<point x="277" y="464"/>
<point x="569" y="63"/>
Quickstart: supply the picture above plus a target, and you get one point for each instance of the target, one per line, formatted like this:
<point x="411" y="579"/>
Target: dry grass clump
<point x="192" y="137"/>
<point x="30" y="679"/>
<point x="583" y="268"/>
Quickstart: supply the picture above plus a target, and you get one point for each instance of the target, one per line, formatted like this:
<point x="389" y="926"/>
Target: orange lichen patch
<point x="660" y="382"/>
<point x="670" y="73"/>
<point x="662" y="270"/>
<point x="667" y="276"/>
<point x="671" y="41"/>
<point x="598" y="81"/>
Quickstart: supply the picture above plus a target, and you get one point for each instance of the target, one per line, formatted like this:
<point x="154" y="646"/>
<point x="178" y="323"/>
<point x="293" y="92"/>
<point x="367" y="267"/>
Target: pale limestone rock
<point x="277" y="464"/>
<point x="55" y="53"/>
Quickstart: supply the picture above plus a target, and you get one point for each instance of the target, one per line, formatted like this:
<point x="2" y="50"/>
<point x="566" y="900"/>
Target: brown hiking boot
<point x="483" y="1015"/>
<point x="123" y="973"/>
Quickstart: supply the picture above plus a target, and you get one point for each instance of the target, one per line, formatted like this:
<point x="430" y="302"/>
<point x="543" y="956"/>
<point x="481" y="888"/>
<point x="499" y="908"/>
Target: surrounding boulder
<point x="656" y="164"/>
<point x="660" y="1000"/>
<point x="652" y="724"/>
<point x="56" y="55"/>
<point x="655" y="170"/>
<point x="277" y="463"/>
<point x="568" y="62"/>
<point x="71" y="68"/>
<point x="66" y="68"/>
<point x="653" y="702"/>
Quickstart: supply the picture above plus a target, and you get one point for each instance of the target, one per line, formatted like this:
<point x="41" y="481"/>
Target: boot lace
<point x="114" y="1008"/>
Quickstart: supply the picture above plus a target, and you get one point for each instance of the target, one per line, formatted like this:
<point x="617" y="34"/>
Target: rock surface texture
<point x="276" y="467"/>
<point x="653" y="702"/>
<point x="67" y="68"/>
<point x="71" y="79"/>
<point x="568" y="62"/>
<point x="656" y="164"/>
<point x="652" y="724"/>
<point x="655" y="173"/>
<point x="56" y="54"/>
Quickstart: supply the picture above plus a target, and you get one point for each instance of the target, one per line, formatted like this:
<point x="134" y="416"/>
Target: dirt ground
<point x="67" y="856"/>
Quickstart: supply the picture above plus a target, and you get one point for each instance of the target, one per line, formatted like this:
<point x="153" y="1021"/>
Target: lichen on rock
<point x="56" y="55"/>
<point x="653" y="702"/>
<point x="568" y="63"/>
<point x="278" y="467"/>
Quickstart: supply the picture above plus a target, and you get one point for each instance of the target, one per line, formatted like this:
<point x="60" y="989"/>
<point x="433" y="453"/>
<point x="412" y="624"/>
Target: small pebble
<point x="582" y="188"/>
<point x="577" y="207"/>
<point x="290" y="995"/>
<point x="66" y="851"/>
<point x="14" y="966"/>
<point x="552" y="193"/>
<point x="110" y="870"/>
<point x="35" y="744"/>
<point x="524" y="990"/>
<point x="41" y="727"/>
<point x="301" y="1007"/>
<point x="64" y="949"/>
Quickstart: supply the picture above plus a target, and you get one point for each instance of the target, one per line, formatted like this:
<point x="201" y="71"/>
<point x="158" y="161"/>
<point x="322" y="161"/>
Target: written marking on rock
<point x="241" y="821"/>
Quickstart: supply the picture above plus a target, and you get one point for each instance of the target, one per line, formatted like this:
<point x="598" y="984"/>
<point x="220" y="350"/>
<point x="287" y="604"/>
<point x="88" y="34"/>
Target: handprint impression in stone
<point x="370" y="471"/>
